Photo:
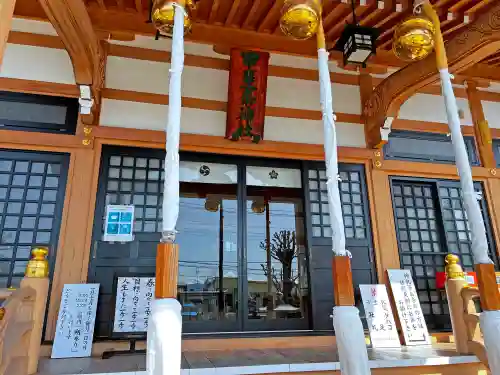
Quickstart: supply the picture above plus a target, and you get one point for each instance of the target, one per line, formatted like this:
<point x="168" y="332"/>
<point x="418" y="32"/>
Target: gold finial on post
<point x="38" y="266"/>
<point x="453" y="269"/>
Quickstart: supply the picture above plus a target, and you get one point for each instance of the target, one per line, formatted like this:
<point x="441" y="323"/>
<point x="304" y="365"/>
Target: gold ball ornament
<point x="452" y="268"/>
<point x="414" y="39"/>
<point x="300" y="18"/>
<point x="162" y="16"/>
<point x="38" y="266"/>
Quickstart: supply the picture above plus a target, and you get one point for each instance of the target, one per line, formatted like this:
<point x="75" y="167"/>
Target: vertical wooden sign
<point x="247" y="95"/>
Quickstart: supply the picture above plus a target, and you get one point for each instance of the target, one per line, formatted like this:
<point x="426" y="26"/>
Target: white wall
<point x="427" y="107"/>
<point x="153" y="77"/>
<point x="37" y="64"/>
<point x="492" y="113"/>
<point x="120" y="113"/>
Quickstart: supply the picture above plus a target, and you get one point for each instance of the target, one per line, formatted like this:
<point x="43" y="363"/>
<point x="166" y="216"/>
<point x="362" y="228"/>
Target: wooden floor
<point x="257" y="361"/>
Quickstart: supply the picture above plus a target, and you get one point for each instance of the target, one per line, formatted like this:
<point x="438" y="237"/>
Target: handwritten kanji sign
<point x="76" y="320"/>
<point x="134" y="296"/>
<point x="408" y="306"/>
<point x="378" y="312"/>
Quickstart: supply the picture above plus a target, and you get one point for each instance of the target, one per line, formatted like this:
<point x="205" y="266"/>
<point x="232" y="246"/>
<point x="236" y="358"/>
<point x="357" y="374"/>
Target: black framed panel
<point x="426" y="147"/>
<point x="135" y="176"/>
<point x="38" y="113"/>
<point x="32" y="188"/>
<point x="356" y="215"/>
<point x="431" y="223"/>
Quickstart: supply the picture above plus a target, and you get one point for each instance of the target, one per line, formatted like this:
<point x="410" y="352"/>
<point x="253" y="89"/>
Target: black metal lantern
<point x="357" y="43"/>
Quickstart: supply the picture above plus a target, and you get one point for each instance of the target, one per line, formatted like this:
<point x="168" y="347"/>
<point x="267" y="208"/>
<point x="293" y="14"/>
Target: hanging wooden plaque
<point x="247" y="95"/>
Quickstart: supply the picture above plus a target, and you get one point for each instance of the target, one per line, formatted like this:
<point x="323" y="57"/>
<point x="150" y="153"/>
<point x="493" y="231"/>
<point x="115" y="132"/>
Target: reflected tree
<point x="282" y="248"/>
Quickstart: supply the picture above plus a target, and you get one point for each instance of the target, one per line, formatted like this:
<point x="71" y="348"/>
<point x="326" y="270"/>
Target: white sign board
<point x="134" y="296"/>
<point x="378" y="312"/>
<point x="75" y="322"/>
<point x="119" y="224"/>
<point x="409" y="309"/>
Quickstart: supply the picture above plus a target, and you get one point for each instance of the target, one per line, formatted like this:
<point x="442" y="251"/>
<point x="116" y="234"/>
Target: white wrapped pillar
<point x="490" y="299"/>
<point x="164" y="334"/>
<point x="489" y="320"/>
<point x="347" y="324"/>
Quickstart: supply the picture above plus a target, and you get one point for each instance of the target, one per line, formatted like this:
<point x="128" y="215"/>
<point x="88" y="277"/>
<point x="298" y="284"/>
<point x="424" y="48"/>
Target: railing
<point x="464" y="315"/>
<point x="21" y="320"/>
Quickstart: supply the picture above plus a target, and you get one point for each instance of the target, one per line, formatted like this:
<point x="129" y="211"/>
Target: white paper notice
<point x="134" y="296"/>
<point x="378" y="312"/>
<point x="75" y="322"/>
<point x="409" y="309"/>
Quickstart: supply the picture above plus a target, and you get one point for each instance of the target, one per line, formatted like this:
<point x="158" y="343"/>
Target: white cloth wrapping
<point x="170" y="208"/>
<point x="164" y="339"/>
<point x="332" y="168"/>
<point x="351" y="343"/>
<point x="469" y="196"/>
<point x="490" y="327"/>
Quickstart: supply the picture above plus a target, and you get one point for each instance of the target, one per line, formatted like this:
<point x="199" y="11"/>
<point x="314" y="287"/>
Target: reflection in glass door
<point x="277" y="277"/>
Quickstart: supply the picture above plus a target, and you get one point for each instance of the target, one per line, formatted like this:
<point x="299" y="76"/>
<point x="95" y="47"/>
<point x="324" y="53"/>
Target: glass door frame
<point x="241" y="324"/>
<point x="304" y="323"/>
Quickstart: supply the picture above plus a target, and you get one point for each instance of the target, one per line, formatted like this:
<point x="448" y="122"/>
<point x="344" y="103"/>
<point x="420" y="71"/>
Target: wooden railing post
<point x="36" y="277"/>
<point x="455" y="282"/>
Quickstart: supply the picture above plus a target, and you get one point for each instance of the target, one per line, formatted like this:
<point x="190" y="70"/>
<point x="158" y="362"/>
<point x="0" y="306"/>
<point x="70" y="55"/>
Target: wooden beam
<point x="268" y="22"/>
<point x="232" y="13"/>
<point x="481" y="129"/>
<point x="251" y="19"/>
<point x="214" y="11"/>
<point x="6" y="14"/>
<point x="219" y="145"/>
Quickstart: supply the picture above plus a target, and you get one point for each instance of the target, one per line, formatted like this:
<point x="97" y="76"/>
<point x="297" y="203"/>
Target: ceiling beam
<point x="74" y="27"/>
<point x="232" y="12"/>
<point x="6" y="14"/>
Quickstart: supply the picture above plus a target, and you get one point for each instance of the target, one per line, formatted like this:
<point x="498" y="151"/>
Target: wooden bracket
<point x="86" y="51"/>
<point x="478" y="40"/>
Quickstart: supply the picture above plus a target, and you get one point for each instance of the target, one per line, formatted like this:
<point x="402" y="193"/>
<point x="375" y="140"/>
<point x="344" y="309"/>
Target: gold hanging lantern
<point x="300" y="18"/>
<point x="162" y="15"/>
<point x="414" y="38"/>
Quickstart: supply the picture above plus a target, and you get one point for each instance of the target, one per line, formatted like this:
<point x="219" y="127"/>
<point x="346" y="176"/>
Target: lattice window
<point x="137" y="181"/>
<point x="29" y="192"/>
<point x="456" y="225"/>
<point x="420" y="242"/>
<point x="352" y="204"/>
<point x="431" y="222"/>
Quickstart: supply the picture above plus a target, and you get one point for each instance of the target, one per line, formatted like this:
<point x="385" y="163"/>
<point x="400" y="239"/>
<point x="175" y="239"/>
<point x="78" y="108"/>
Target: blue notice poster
<point x="119" y="224"/>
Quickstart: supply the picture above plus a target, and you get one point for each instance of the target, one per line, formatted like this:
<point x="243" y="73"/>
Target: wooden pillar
<point x="455" y="282"/>
<point x="488" y="288"/>
<point x="41" y="286"/>
<point x="365" y="90"/>
<point x="383" y="224"/>
<point x="6" y="15"/>
<point x="342" y="281"/>
<point x="481" y="127"/>
<point x="167" y="266"/>
<point x="74" y="247"/>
